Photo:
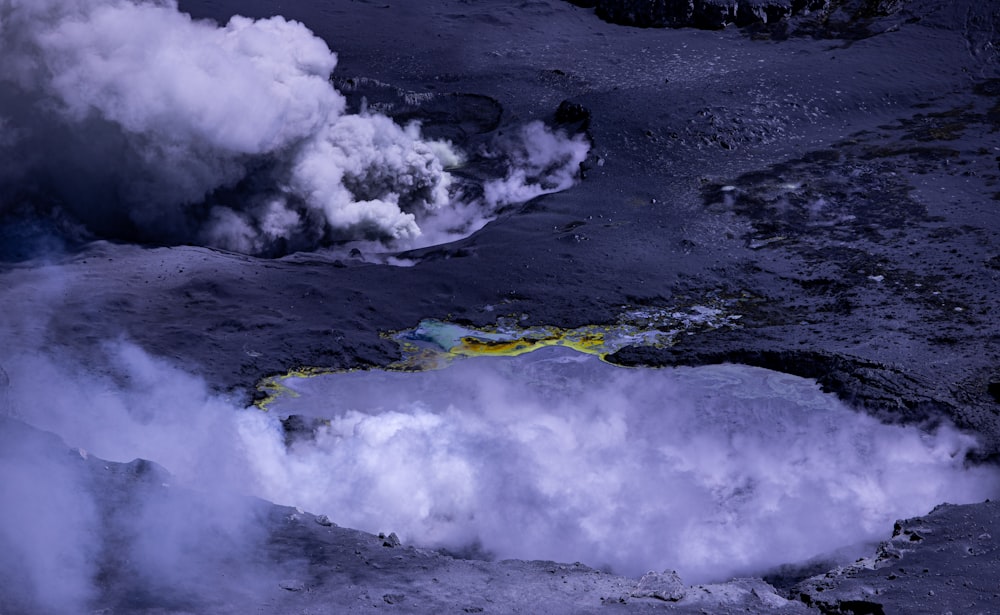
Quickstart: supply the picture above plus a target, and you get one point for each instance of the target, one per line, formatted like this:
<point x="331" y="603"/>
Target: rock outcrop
<point x="716" y="14"/>
<point x="708" y="14"/>
<point x="905" y="574"/>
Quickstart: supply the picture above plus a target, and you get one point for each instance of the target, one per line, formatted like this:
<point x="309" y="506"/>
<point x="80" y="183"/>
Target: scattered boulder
<point x="573" y="114"/>
<point x="292" y="585"/>
<point x="324" y="521"/>
<point x="666" y="586"/>
<point x="391" y="541"/>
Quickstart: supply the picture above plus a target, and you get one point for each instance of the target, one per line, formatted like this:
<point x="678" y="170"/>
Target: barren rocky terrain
<point x="828" y="177"/>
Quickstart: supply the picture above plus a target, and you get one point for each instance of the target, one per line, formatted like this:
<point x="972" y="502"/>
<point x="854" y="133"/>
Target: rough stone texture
<point x="841" y="196"/>
<point x="905" y="575"/>
<point x="715" y="14"/>
<point x="709" y="14"/>
<point x="664" y="585"/>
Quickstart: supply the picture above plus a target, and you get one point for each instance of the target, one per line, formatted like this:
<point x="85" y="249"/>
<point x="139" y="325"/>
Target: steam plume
<point x="543" y="161"/>
<point x="146" y="124"/>
<point x="714" y="472"/>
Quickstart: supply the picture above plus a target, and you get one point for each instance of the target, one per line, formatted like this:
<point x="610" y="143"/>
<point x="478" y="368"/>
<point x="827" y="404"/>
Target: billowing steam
<point x="713" y="471"/>
<point x="143" y="123"/>
<point x="544" y="161"/>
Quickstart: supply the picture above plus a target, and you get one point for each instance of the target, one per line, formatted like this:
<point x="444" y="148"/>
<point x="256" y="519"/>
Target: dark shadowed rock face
<point x="709" y="14"/>
<point x="715" y="14"/>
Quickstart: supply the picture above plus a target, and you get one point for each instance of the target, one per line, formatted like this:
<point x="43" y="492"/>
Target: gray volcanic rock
<point x="838" y="197"/>
<point x="906" y="575"/>
<point x="709" y="14"/>
<point x="715" y="14"/>
<point x="4" y="386"/>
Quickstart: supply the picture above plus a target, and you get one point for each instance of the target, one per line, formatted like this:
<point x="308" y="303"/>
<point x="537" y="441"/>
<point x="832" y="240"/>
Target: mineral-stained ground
<point x="831" y="178"/>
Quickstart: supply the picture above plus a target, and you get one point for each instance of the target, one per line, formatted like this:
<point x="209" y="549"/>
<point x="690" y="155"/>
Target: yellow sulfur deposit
<point x="433" y="344"/>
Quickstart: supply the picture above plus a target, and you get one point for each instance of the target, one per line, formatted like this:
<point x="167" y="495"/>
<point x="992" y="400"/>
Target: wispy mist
<point x="72" y="536"/>
<point x="47" y="525"/>
<point x="542" y="161"/>
<point x="141" y="123"/>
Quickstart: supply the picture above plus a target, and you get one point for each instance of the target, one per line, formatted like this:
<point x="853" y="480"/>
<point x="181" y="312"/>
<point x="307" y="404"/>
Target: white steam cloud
<point x="145" y="123"/>
<point x="544" y="161"/>
<point x="714" y="472"/>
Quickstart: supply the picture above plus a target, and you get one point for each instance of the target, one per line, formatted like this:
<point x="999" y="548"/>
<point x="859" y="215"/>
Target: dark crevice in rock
<point x="851" y="607"/>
